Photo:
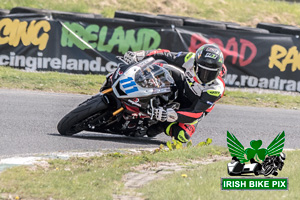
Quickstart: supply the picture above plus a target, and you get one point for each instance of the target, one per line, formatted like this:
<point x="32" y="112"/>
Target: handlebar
<point x="121" y="58"/>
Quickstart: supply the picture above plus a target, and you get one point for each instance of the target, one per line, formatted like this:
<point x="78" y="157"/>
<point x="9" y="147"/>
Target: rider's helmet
<point x="208" y="62"/>
<point x="282" y="156"/>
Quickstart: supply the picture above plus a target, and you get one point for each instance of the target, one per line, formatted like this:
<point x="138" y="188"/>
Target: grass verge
<point x="246" y="12"/>
<point x="89" y="178"/>
<point x="89" y="84"/>
<point x="101" y="177"/>
<point x="50" y="81"/>
<point x="256" y="99"/>
<point x="203" y="182"/>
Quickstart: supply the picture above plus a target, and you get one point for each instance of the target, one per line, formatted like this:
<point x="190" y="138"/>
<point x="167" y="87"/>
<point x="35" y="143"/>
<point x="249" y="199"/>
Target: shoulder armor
<point x="189" y="56"/>
<point x="216" y="88"/>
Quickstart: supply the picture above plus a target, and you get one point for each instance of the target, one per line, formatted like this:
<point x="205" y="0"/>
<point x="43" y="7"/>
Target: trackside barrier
<point x="48" y="40"/>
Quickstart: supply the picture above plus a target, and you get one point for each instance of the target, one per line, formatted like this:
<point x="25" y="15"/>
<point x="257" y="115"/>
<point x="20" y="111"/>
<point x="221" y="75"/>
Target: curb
<point x="33" y="159"/>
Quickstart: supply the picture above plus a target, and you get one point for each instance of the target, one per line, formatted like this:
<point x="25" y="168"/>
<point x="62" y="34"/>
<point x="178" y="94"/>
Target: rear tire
<point x="268" y="170"/>
<point x="67" y="124"/>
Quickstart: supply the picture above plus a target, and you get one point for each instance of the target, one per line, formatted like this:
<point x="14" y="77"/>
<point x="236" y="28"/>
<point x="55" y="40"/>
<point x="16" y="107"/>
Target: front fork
<point x="107" y="91"/>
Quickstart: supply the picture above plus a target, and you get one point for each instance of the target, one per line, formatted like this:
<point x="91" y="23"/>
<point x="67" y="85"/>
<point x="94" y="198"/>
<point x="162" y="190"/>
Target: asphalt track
<point x="28" y="122"/>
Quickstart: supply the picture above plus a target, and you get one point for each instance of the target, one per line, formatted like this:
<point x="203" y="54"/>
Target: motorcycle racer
<point x="198" y="78"/>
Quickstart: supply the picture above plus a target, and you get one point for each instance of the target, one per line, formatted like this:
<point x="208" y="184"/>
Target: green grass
<point x="50" y="81"/>
<point x="203" y="182"/>
<point x="89" y="178"/>
<point x="63" y="5"/>
<point x="261" y="100"/>
<point x="246" y="12"/>
<point x="101" y="177"/>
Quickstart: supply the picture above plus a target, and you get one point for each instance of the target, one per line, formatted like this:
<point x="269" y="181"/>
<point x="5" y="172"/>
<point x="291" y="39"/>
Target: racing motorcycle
<point x="126" y="101"/>
<point x="272" y="164"/>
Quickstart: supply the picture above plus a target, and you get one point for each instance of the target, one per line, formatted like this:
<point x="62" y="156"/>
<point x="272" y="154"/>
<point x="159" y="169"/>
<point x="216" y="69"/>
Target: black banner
<point x="269" y="61"/>
<point x="87" y="45"/>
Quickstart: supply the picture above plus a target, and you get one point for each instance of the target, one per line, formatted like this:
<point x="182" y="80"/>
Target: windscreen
<point x="154" y="75"/>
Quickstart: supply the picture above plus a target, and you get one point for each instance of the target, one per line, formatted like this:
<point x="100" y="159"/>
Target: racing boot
<point x="180" y="131"/>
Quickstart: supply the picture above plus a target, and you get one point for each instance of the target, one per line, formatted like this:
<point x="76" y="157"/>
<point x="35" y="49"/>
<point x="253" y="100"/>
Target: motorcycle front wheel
<point x="72" y="123"/>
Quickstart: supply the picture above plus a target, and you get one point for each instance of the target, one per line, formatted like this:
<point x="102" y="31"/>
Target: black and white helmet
<point x="209" y="61"/>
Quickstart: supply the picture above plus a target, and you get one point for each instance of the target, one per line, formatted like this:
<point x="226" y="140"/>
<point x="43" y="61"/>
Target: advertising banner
<point x="74" y="45"/>
<point x="89" y="45"/>
<point x="267" y="61"/>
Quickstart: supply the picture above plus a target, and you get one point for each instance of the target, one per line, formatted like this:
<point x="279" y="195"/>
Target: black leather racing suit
<point x="196" y="100"/>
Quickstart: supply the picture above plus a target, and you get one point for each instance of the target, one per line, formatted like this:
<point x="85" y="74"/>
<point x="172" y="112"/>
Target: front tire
<point x="68" y="125"/>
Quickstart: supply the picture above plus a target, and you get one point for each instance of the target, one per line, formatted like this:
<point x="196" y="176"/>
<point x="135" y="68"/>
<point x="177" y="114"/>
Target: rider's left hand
<point x="168" y="115"/>
<point x="130" y="57"/>
<point x="133" y="57"/>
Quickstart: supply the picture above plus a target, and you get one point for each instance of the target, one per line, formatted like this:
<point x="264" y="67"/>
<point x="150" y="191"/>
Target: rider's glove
<point x="132" y="57"/>
<point x="168" y="115"/>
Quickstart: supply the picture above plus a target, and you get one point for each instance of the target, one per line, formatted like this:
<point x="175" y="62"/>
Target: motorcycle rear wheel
<point x="68" y="125"/>
<point x="268" y="170"/>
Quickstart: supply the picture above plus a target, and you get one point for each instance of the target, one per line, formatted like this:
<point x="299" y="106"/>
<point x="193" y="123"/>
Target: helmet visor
<point x="206" y="74"/>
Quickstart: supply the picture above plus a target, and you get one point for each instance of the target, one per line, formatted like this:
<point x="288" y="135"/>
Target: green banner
<point x="254" y="183"/>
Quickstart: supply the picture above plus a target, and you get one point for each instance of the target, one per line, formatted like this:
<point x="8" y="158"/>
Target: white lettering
<point x="228" y="183"/>
<point x="64" y="63"/>
<point x="230" y="79"/>
<point x="20" y="61"/>
<point x="55" y="63"/>
<point x="12" y="58"/>
<point x="282" y="183"/>
<point x="95" y="65"/>
<point x="252" y="81"/>
<point x="263" y="83"/>
<point x="111" y="66"/>
<point x="275" y="83"/>
<point x="282" y="83"/>
<point x="45" y="62"/>
<point x="83" y="64"/>
<point x="243" y="80"/>
<point x="4" y="60"/>
<point x="291" y="85"/>
<point x="72" y="64"/>
<point x="243" y="183"/>
<point x="31" y="63"/>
